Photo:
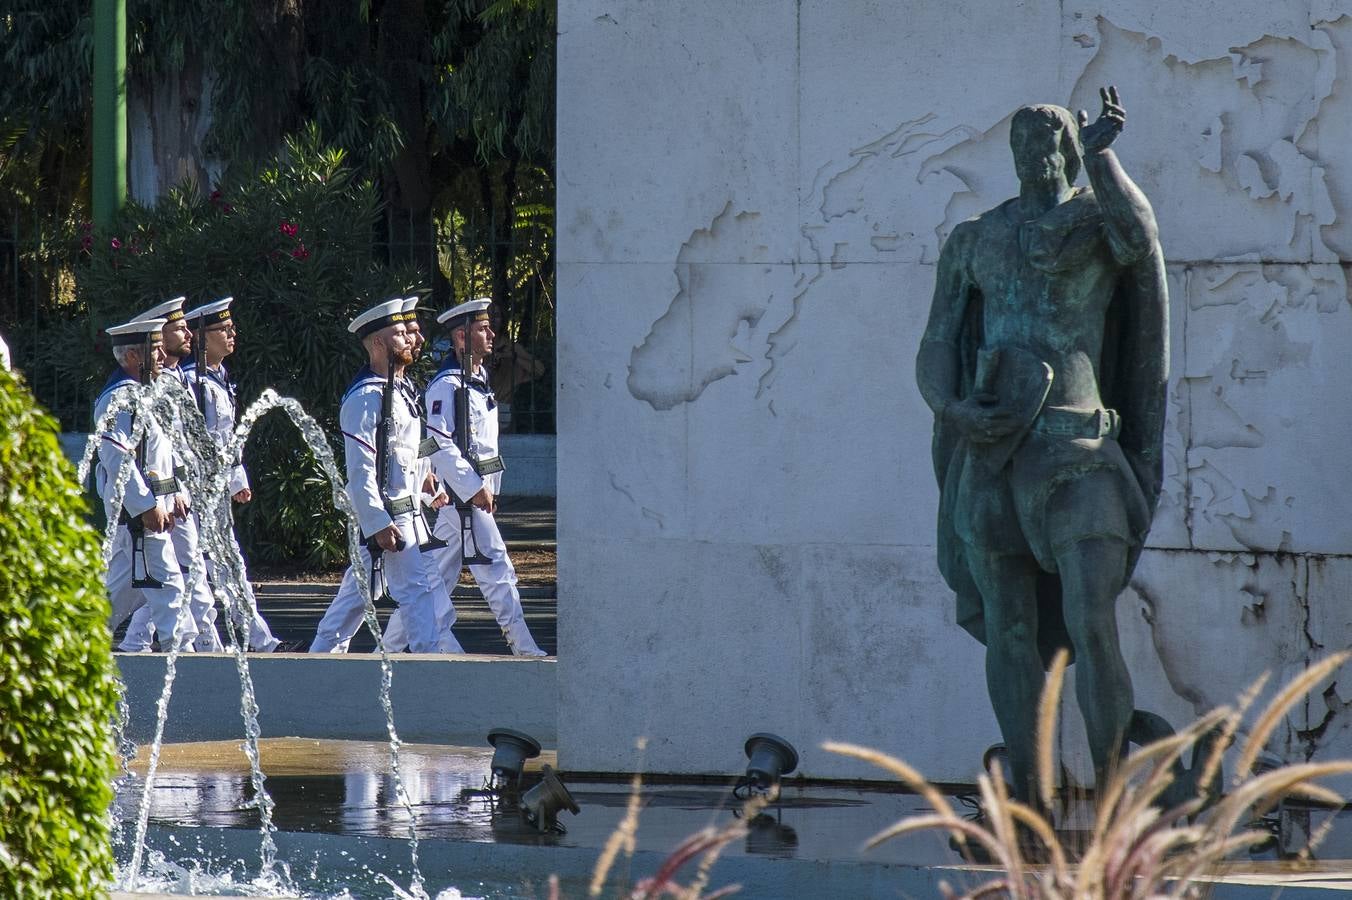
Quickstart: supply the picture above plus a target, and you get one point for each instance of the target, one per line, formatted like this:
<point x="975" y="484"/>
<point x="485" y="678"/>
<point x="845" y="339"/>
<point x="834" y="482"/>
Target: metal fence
<point x="37" y="291"/>
<point x="518" y="275"/>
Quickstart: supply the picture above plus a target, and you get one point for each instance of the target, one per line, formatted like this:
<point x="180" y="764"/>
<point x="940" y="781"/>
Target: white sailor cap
<point x="411" y="304"/>
<point x="212" y="313"/>
<point x="469" y="311"/>
<point x="382" y="315"/>
<point x="137" y="331"/>
<point x="169" y="310"/>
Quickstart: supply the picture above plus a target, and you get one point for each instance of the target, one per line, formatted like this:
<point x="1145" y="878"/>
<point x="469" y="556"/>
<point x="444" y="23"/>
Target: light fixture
<point x="541" y="804"/>
<point x="511" y="749"/>
<point x="771" y="758"/>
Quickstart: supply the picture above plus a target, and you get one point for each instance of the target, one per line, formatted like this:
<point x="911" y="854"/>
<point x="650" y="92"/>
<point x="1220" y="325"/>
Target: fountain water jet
<point x="208" y="467"/>
<point x="141" y="402"/>
<point x="314" y="438"/>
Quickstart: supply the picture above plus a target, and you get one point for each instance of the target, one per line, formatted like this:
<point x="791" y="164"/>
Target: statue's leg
<point x="1091" y="577"/>
<point x="1008" y="586"/>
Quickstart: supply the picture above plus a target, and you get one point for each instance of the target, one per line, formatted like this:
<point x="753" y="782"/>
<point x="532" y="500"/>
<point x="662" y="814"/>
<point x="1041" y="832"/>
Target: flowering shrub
<point x="292" y="244"/>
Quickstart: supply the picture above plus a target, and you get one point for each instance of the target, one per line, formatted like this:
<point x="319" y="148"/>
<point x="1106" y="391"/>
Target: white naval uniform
<point x="160" y="561"/>
<point x="395" y="636"/>
<point x="496" y="579"/>
<point x="410" y="577"/>
<point x="219" y="394"/>
<point x="201" y="605"/>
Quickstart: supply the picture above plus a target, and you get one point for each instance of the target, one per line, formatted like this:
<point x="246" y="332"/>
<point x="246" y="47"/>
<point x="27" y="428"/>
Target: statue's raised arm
<point x="1130" y="222"/>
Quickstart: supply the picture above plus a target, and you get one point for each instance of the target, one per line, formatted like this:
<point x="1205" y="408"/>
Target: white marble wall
<point x="751" y="200"/>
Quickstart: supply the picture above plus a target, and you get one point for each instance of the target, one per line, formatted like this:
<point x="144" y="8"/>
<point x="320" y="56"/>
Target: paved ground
<point x="293" y="608"/>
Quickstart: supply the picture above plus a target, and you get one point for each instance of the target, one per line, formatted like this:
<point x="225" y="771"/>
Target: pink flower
<point x="300" y="253"/>
<point x="215" y="195"/>
<point x="115" y="244"/>
<point x="287" y="228"/>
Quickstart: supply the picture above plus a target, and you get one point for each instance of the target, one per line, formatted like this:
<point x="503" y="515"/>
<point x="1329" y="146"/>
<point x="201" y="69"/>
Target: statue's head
<point x="1045" y="141"/>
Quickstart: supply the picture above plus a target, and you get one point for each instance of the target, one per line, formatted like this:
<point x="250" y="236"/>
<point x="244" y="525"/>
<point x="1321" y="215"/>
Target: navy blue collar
<point x="116" y="379"/>
<point x="365" y="375"/>
<point x="449" y="362"/>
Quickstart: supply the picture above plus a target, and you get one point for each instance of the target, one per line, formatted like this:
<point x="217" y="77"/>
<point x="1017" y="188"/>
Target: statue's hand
<point x="1099" y="136"/>
<point x="980" y="423"/>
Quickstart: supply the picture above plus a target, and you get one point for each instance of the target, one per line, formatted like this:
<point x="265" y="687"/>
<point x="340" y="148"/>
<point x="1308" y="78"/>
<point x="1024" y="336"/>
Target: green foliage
<point x="292" y="244"/>
<point x="447" y="105"/>
<point x="45" y="89"/>
<point x="57" y="687"/>
<point x="484" y="73"/>
<point x="493" y="78"/>
<point x="46" y="51"/>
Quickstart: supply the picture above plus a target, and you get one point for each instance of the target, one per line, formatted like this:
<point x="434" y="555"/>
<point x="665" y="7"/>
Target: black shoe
<point x="298" y="646"/>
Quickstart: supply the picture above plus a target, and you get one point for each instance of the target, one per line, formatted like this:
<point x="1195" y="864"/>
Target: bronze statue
<point x="1045" y="360"/>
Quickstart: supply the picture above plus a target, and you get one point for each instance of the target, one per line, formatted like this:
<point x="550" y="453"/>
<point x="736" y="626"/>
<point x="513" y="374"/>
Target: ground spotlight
<point x="541" y="804"/>
<point x="996" y="755"/>
<point x="771" y="758"/>
<point x="769" y="836"/>
<point x="511" y="749"/>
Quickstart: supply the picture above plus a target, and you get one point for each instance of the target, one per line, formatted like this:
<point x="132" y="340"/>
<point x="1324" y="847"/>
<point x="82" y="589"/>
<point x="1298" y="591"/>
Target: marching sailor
<point x="143" y="569"/>
<point x="140" y="632"/>
<point x="385" y="501"/>
<point x="477" y="477"/>
<point x="394" y="636"/>
<point x="214" y="336"/>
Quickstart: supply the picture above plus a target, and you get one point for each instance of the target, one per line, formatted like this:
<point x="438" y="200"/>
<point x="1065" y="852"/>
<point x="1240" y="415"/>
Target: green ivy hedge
<point x="57" y="687"/>
<point x="292" y="243"/>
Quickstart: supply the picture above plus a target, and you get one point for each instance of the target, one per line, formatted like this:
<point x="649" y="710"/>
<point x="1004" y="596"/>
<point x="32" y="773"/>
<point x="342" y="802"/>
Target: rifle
<point x="135" y="527"/>
<point x="464" y="441"/>
<point x="199" y="352"/>
<point x="383" y="432"/>
<point x="426" y="447"/>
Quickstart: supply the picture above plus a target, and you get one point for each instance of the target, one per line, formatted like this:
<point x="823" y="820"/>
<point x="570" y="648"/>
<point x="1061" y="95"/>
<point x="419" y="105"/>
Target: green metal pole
<point x="110" y="110"/>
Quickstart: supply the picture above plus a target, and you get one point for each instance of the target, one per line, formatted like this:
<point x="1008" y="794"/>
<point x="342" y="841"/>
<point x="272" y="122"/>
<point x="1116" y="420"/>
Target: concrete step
<point x="282" y="591"/>
<point x="293" y="609"/>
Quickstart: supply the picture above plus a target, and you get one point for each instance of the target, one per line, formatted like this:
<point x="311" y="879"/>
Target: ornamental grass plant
<point x="1145" y="838"/>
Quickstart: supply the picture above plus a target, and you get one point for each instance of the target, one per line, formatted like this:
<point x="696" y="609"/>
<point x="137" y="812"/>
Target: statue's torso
<point x="1045" y="288"/>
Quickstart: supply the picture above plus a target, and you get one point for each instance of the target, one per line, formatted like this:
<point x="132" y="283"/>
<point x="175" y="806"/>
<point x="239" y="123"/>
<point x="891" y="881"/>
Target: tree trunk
<point x="499" y="198"/>
<point x="167" y="119"/>
<point x="402" y="35"/>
